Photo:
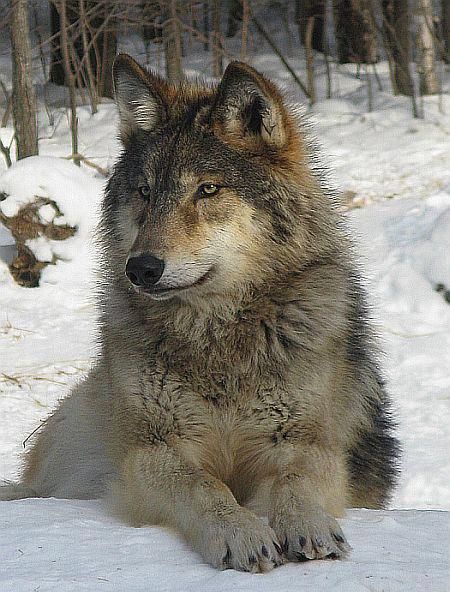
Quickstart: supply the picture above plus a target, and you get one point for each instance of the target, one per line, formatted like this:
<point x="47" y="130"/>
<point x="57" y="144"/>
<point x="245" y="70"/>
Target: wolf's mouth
<point x="166" y="293"/>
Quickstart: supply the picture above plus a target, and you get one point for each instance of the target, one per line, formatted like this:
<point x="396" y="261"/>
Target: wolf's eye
<point x="208" y="189"/>
<point x="144" y="190"/>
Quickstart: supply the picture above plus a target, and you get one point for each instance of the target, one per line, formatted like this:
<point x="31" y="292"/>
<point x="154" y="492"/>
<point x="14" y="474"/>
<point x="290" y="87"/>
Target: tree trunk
<point x="205" y="31"/>
<point x="57" y="75"/>
<point x="446" y="29"/>
<point x="429" y="84"/>
<point x="306" y="10"/>
<point x="172" y="43"/>
<point x="70" y="77"/>
<point x="310" y="59"/>
<point x="355" y="32"/>
<point x="23" y="96"/>
<point x="101" y="39"/>
<point x="217" y="39"/>
<point x="397" y="37"/>
<point x="235" y="14"/>
<point x="107" y="48"/>
<point x="150" y="14"/>
<point x="92" y="83"/>
<point x="245" y="24"/>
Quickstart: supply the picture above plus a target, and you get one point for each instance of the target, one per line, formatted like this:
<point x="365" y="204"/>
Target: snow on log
<point x="46" y="204"/>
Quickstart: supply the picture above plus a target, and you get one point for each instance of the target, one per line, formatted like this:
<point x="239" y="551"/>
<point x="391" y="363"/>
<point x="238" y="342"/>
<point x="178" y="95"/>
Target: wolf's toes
<point x="341" y="541"/>
<point x="242" y="542"/>
<point x="316" y="537"/>
<point x="257" y="561"/>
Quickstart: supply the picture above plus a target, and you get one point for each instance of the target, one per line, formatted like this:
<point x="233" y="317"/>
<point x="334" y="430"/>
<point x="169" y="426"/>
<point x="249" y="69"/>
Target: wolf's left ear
<point x="249" y="109"/>
<point x="139" y="96"/>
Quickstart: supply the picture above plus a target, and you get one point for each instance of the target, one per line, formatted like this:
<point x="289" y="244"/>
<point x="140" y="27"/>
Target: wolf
<point x="238" y="374"/>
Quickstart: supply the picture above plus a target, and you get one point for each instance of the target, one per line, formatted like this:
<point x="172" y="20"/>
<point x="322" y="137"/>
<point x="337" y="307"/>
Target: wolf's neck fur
<point x="261" y="333"/>
<point x="227" y="338"/>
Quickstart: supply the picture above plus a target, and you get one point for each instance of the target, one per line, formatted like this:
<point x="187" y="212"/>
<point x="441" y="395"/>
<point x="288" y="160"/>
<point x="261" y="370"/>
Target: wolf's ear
<point x="139" y="96"/>
<point x="249" y="110"/>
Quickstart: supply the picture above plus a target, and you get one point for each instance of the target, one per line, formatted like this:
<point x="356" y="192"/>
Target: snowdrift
<point x="66" y="546"/>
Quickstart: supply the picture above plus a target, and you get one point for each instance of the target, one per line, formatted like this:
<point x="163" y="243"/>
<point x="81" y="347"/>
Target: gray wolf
<point x="238" y="373"/>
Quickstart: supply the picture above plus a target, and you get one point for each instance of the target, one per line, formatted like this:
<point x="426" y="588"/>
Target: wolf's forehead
<point x="187" y="153"/>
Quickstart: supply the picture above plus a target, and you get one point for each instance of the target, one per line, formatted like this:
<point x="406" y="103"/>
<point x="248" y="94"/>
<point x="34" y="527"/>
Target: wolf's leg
<point x="14" y="491"/>
<point x="68" y="458"/>
<point x="158" y="486"/>
<point x="303" y="497"/>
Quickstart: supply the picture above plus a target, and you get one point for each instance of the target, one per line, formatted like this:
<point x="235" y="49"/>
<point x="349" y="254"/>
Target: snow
<point x="406" y="244"/>
<point x="5" y="237"/>
<point x="76" y="195"/>
<point x="51" y="178"/>
<point x="46" y="214"/>
<point x="395" y="169"/>
<point x="73" y="545"/>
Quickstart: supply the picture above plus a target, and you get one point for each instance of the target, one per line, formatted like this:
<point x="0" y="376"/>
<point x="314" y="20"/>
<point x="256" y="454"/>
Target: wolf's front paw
<point x="309" y="534"/>
<point x="240" y="541"/>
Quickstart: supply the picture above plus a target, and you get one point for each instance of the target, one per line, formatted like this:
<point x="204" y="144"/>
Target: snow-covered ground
<point x="397" y="169"/>
<point x="69" y="546"/>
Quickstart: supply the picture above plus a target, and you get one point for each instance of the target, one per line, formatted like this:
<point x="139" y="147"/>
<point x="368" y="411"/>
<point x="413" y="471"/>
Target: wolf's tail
<point x="15" y="491"/>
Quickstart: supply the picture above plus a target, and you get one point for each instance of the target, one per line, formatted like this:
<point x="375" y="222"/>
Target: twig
<point x="43" y="422"/>
<point x="377" y="78"/>
<point x="369" y="89"/>
<point x="12" y="379"/>
<point x="202" y="38"/>
<point x="80" y="158"/>
<point x="6" y="152"/>
<point x="278" y="52"/>
<point x="8" y="108"/>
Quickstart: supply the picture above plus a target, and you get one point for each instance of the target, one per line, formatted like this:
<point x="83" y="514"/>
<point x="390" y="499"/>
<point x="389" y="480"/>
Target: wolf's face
<point x="207" y="187"/>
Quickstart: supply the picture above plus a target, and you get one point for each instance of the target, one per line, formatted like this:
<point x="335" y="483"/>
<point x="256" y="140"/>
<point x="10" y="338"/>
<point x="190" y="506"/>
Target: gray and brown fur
<point x="246" y="380"/>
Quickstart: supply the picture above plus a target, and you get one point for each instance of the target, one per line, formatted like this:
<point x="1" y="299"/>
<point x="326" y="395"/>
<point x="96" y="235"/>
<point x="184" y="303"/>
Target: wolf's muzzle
<point x="145" y="270"/>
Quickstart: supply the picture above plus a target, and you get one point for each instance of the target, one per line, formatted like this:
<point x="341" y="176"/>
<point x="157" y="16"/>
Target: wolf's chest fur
<point x="232" y="399"/>
<point x="232" y="431"/>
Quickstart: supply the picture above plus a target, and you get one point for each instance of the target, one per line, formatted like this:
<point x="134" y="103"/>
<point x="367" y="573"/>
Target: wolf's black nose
<point x="144" y="270"/>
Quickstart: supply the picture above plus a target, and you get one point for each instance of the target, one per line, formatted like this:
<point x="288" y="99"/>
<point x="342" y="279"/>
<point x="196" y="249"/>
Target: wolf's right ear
<point x="139" y="96"/>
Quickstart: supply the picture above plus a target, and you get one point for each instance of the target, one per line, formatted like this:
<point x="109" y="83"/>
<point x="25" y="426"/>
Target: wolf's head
<point x="213" y="193"/>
